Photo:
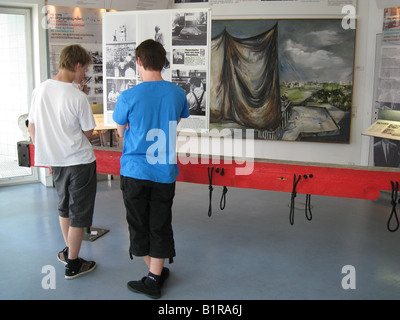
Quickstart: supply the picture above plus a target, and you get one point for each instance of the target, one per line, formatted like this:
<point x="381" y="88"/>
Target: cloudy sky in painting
<point x="309" y="50"/>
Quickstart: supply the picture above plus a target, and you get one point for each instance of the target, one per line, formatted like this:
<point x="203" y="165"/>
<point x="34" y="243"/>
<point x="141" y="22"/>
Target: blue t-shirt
<point x="152" y="109"/>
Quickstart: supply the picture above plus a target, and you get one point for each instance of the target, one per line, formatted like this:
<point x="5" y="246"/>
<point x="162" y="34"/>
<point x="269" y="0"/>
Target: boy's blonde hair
<point x="73" y="54"/>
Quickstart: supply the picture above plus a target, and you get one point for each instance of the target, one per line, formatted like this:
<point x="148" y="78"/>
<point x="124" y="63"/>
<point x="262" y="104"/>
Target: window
<point x="16" y="85"/>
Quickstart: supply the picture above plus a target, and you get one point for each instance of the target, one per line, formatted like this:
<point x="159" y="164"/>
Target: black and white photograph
<point x="119" y="27"/>
<point x="120" y="61"/>
<point x="386" y="153"/>
<point x="157" y="28"/>
<point x="189" y="29"/>
<point x="194" y="84"/>
<point x="114" y="89"/>
<point x="178" y="56"/>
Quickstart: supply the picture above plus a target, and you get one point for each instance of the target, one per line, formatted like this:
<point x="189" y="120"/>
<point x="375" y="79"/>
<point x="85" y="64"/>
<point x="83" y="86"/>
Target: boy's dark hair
<point x="152" y="54"/>
<point x="73" y="54"/>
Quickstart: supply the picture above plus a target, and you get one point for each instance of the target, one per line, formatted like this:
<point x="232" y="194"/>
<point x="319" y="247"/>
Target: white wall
<point x="369" y="24"/>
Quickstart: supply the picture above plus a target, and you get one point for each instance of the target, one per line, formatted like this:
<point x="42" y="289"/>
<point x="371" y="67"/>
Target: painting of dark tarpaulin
<point x="286" y="79"/>
<point x="248" y="90"/>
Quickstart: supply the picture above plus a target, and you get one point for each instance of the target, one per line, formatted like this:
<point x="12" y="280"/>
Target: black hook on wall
<point x="222" y="204"/>
<point x="293" y="196"/>
<point x="393" y="214"/>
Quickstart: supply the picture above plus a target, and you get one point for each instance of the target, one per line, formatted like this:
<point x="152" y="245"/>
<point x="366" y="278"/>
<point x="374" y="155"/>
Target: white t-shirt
<point x="60" y="112"/>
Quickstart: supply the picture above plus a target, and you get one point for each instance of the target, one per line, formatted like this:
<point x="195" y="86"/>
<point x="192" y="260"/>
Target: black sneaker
<point x="62" y="256"/>
<point x="153" y="291"/>
<point x="164" y="276"/>
<point x="83" y="268"/>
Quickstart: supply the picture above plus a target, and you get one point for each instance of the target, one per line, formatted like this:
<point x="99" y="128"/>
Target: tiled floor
<point x="249" y="251"/>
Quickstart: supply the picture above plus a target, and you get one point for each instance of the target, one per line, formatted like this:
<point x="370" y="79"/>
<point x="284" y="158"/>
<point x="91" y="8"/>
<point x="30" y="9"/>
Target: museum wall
<point x="369" y="24"/>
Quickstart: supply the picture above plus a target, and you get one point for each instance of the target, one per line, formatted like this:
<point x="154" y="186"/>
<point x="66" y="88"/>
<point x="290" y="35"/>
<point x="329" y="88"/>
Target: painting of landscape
<point x="287" y="80"/>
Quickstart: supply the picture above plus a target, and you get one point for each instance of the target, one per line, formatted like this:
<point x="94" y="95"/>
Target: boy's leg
<point x="157" y="268"/>
<point x="159" y="237"/>
<point x="161" y="234"/>
<point x="80" y="188"/>
<point x="82" y="193"/>
<point x="61" y="182"/>
<point x="155" y="265"/>
<point x="64" y="224"/>
<point x="136" y="194"/>
<point x="162" y="244"/>
<point x="73" y="238"/>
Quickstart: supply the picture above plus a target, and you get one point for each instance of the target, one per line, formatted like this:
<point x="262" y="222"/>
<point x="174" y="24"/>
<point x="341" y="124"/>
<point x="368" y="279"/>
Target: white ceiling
<point x="113" y="4"/>
<point x="387" y="3"/>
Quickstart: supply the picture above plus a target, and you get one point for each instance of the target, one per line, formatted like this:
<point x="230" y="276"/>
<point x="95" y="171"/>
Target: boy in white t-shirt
<point x="60" y="123"/>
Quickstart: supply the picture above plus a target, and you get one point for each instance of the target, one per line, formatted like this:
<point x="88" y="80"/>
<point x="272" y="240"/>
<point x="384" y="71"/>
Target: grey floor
<point x="249" y="251"/>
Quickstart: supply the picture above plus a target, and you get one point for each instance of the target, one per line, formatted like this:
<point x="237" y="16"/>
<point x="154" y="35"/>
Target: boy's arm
<point x="31" y="131"/>
<point x="89" y="133"/>
<point x="121" y="129"/>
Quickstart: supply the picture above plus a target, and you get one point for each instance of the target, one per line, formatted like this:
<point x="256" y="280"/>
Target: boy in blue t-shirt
<point x="147" y="116"/>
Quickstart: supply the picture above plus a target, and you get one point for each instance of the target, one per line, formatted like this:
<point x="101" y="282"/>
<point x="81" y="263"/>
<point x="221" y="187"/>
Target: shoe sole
<point x="62" y="261"/>
<point x="80" y="273"/>
<point x="146" y="294"/>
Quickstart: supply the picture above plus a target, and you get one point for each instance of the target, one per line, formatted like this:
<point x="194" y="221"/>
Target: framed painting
<point x="289" y="79"/>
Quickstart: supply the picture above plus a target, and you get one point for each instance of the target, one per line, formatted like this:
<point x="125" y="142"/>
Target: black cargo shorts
<point x="149" y="216"/>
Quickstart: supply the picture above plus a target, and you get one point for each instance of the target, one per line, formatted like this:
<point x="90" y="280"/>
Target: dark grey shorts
<point x="76" y="187"/>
